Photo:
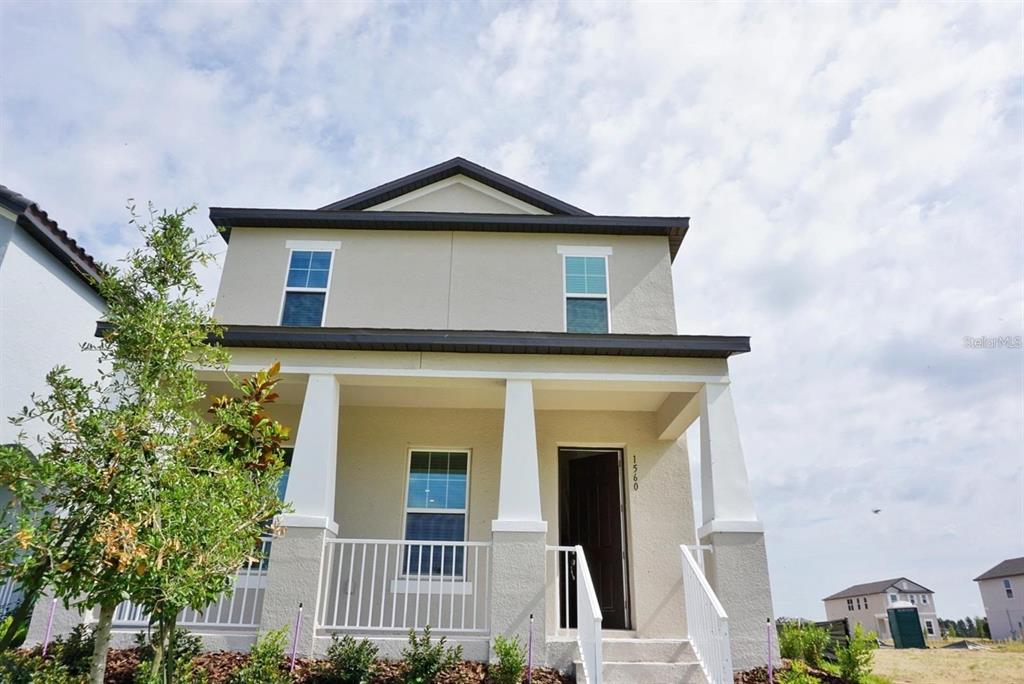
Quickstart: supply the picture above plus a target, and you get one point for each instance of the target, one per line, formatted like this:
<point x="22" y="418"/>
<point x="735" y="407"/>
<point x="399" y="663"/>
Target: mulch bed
<point x="759" y="675"/>
<point x="220" y="665"/>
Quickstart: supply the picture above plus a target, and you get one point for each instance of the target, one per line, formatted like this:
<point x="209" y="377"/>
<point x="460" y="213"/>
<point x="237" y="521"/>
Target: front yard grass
<point x="1000" y="664"/>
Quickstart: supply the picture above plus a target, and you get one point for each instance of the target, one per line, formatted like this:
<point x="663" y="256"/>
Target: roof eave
<point x="478" y="342"/>
<point x="672" y="227"/>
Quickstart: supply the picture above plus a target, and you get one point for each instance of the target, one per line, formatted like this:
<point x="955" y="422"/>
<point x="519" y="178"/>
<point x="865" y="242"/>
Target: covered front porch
<point x="438" y="489"/>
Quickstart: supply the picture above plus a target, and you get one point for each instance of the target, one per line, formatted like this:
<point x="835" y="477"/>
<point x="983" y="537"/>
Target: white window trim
<point x="411" y="581"/>
<point x="308" y="246"/>
<point x="929" y="628"/>
<point x="603" y="253"/>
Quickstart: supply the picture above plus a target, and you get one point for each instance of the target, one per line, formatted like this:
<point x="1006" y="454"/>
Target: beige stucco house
<point x="1002" y="594"/>
<point x="489" y="396"/>
<point x="868" y="604"/>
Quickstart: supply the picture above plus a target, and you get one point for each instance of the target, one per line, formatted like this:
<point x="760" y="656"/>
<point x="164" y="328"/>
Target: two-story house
<point x="488" y="397"/>
<point x="48" y="305"/>
<point x="1002" y="594"/>
<point x="868" y="604"/>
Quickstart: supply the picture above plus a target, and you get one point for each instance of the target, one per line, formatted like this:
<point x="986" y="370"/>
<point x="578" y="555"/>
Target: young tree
<point x="132" y="493"/>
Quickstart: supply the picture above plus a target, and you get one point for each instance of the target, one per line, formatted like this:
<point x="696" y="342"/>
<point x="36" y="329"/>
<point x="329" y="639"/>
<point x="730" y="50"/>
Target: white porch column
<point x="311" y="480"/>
<point x="519" y="489"/>
<point x="518" y="535"/>
<point x="737" y="567"/>
<point x="296" y="557"/>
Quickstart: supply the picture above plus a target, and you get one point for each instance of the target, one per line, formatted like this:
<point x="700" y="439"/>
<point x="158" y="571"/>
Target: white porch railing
<point x="707" y="625"/>
<point x="563" y="565"/>
<point x="238" y="609"/>
<point x="588" y="621"/>
<point x="394" y="585"/>
<point x="9" y="596"/>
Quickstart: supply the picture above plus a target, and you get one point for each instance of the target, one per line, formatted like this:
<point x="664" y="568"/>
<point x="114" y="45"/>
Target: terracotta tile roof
<point x="37" y="223"/>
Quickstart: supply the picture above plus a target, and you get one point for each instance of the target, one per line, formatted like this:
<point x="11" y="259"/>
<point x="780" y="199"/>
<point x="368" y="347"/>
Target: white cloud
<point x="853" y="173"/>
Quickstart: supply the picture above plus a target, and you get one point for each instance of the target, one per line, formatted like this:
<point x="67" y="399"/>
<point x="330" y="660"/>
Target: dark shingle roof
<point x="871" y="588"/>
<point x="44" y="230"/>
<point x="454" y="167"/>
<point x="1008" y="568"/>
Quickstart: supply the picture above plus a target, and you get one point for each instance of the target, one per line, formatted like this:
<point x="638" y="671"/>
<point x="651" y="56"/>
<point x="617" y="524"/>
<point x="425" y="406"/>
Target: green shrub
<point x="22" y="631"/>
<point x="19" y="667"/>
<point x="806" y="642"/>
<point x="73" y="650"/>
<point x="184" y="647"/>
<point x="425" y="660"/>
<point x="266" y="661"/>
<point x="854" y="659"/>
<point x="511" y="661"/>
<point x="797" y="674"/>
<point x="348" y="661"/>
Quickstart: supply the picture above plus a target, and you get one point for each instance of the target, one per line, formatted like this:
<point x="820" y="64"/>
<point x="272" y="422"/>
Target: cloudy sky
<point x="853" y="174"/>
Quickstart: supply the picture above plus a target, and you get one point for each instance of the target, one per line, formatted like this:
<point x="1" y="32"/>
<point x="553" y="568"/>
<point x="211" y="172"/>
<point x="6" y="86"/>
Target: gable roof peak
<point x="454" y="167"/>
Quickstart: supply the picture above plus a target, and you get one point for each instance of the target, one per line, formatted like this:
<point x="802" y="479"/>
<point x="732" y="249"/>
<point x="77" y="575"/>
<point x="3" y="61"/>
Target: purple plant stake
<point x="529" y="653"/>
<point x="49" y="627"/>
<point x="769" y="627"/>
<point x="295" y="637"/>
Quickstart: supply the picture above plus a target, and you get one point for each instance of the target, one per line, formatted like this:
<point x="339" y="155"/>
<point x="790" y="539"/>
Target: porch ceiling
<point x="481" y="393"/>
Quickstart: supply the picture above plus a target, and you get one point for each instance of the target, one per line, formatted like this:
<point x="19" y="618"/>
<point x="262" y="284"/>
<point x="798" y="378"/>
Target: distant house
<point x="48" y="307"/>
<point x="1002" y="593"/>
<point x="867" y="605"/>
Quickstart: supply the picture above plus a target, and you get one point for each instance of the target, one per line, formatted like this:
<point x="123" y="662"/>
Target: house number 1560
<point x="636" y="478"/>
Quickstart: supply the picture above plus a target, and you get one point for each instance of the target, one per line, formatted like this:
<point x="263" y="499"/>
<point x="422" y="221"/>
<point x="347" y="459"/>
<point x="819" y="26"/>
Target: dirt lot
<point x="998" y="665"/>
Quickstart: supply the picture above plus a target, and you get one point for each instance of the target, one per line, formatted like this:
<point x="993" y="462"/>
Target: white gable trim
<point x="512" y="202"/>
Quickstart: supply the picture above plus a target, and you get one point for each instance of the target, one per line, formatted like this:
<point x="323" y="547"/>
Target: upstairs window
<point x="849" y="604"/>
<point x="1008" y="588"/>
<point x="435" y="511"/>
<point x="924" y="599"/>
<point x="305" y="293"/>
<point x="586" y="294"/>
<point x="892" y="598"/>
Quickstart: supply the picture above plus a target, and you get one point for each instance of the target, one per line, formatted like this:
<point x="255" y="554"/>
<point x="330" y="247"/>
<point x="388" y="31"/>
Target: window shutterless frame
<point x="590" y="252"/>
<point x="406" y="510"/>
<point x="312" y="246"/>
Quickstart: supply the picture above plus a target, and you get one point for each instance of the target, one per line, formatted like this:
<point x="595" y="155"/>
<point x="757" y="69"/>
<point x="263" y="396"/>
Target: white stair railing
<point x="707" y="625"/>
<point x="588" y="621"/>
<point x="381" y="585"/>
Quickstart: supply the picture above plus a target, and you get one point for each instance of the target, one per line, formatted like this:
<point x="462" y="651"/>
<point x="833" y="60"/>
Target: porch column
<point x="296" y="557"/>
<point x="737" y="568"/>
<point x="519" y="533"/>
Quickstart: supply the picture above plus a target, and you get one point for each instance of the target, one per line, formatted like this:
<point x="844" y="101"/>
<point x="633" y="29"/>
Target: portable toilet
<point x="905" y="625"/>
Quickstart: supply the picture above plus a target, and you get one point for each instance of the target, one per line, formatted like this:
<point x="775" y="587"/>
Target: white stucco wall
<point x="46" y="313"/>
<point x="456" y="280"/>
<point x="1005" y="615"/>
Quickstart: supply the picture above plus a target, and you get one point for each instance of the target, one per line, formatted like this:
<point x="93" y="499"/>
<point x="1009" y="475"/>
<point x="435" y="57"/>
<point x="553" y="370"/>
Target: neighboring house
<point x="482" y="378"/>
<point x="48" y="308"/>
<point x="868" y="605"/>
<point x="1002" y="593"/>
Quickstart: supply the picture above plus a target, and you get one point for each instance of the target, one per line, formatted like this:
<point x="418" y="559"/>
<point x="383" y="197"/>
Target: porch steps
<point x="647" y="661"/>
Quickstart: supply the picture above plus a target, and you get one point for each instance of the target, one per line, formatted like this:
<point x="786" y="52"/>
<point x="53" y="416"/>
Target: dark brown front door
<point x="592" y="515"/>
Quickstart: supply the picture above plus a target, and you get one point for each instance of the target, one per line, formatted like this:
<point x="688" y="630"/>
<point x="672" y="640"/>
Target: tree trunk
<point x="98" y="667"/>
<point x="163" y="665"/>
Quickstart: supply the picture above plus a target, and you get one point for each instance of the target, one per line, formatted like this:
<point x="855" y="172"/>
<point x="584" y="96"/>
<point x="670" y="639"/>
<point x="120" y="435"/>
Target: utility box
<point x="905" y="626"/>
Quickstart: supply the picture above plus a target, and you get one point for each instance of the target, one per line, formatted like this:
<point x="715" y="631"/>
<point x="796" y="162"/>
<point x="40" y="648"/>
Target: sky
<point x="853" y="174"/>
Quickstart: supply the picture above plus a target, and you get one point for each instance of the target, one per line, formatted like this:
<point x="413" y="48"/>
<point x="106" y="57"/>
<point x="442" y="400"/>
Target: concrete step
<point x="615" y="672"/>
<point x="634" y="650"/>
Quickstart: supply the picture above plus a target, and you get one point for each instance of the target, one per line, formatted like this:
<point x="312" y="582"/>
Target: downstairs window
<point x="435" y="510"/>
